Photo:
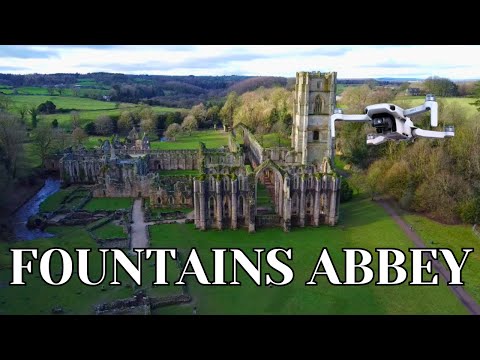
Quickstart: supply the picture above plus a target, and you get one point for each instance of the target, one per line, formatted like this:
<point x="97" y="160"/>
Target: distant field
<point x="211" y="138"/>
<point x="89" y="109"/>
<point x="463" y="102"/>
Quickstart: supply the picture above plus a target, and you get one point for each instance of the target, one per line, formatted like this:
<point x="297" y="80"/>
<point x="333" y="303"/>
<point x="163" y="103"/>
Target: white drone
<point x="393" y="122"/>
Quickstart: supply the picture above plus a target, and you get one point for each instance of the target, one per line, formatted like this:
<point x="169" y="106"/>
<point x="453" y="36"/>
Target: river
<point x="32" y="207"/>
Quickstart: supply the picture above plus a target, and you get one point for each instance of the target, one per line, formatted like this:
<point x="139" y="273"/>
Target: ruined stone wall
<point x="172" y="159"/>
<point x="80" y="168"/>
<point x="172" y="192"/>
<point x="225" y="199"/>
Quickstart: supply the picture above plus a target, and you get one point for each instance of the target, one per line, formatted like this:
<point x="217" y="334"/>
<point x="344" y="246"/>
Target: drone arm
<point x="433" y="134"/>
<point x="356" y="118"/>
<point x="428" y="105"/>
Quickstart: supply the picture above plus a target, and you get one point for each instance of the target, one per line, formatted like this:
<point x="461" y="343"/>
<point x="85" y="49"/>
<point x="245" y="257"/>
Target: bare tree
<point x="75" y="90"/>
<point x="126" y="121"/>
<point x="172" y="131"/>
<point x="12" y="137"/>
<point x="78" y="136"/>
<point x="44" y="139"/>
<point x="5" y="102"/>
<point x="75" y="115"/>
<point x="189" y="124"/>
<point x="104" y="125"/>
<point x="51" y="90"/>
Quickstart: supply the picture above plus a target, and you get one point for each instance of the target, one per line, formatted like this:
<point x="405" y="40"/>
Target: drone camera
<point x="383" y="123"/>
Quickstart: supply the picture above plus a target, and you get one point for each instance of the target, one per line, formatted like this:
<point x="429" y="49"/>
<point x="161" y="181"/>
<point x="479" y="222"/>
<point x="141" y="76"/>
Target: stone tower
<point x="314" y="103"/>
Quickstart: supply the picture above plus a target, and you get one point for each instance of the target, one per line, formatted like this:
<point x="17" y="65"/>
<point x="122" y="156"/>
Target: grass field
<point x="366" y="226"/>
<point x="454" y="237"/>
<point x="89" y="109"/>
<point x="264" y="199"/>
<point x="211" y="138"/>
<point x="463" y="102"/>
<point x="74" y="297"/>
<point x="363" y="225"/>
<point x="108" y="204"/>
<point x="54" y="201"/>
<point x="110" y="231"/>
<point x="274" y="140"/>
<point x="178" y="172"/>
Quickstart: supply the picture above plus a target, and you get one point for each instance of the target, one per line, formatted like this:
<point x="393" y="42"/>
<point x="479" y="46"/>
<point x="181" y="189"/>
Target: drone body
<point x="391" y="122"/>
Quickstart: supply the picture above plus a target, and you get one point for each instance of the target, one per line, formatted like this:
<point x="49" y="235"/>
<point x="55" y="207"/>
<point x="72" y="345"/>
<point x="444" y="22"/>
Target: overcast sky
<point x="350" y="61"/>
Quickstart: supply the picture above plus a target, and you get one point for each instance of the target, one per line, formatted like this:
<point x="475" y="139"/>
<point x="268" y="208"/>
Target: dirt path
<point x="472" y="306"/>
<point x="139" y="226"/>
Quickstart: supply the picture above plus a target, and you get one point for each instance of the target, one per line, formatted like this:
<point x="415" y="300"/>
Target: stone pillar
<point x="302" y="202"/>
<point x="337" y="196"/>
<point x="234" y="187"/>
<point x="316" y="204"/>
<point x="201" y="207"/>
<point x="196" y="203"/>
<point x="287" y="206"/>
<point x="332" y="200"/>
<point x="218" y="210"/>
<point x="280" y="196"/>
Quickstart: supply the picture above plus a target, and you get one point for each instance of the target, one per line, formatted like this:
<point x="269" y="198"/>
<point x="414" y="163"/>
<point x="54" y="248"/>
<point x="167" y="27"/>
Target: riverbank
<point x="16" y="196"/>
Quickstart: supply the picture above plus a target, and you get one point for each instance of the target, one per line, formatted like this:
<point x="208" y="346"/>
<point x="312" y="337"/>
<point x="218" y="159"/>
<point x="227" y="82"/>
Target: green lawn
<point x="273" y="140"/>
<point x="454" y="237"/>
<point x="264" y="199"/>
<point x="110" y="231"/>
<point x="178" y="172"/>
<point x="366" y="226"/>
<point x="54" y="201"/>
<point x="74" y="297"/>
<point x="155" y="212"/>
<point x="108" y="204"/>
<point x="94" y="141"/>
<point x="211" y="138"/>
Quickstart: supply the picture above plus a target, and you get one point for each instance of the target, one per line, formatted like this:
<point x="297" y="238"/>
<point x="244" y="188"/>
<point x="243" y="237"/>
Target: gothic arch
<point x="295" y="204"/>
<point x="319" y="105"/>
<point x="211" y="207"/>
<point x="309" y="204"/>
<point x="241" y="206"/>
<point x="226" y="207"/>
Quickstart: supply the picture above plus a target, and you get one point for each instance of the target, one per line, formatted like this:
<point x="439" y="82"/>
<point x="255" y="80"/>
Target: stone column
<point x="287" y="206"/>
<point x="302" y="202"/>
<point x="337" y="196"/>
<point x="280" y="197"/>
<point x="234" y="185"/>
<point x="332" y="201"/>
<point x="201" y="197"/>
<point x="218" y="191"/>
<point x="316" y="205"/>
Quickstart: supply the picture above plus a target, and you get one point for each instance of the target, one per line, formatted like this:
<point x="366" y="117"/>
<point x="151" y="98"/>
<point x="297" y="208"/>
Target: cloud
<point x="26" y="52"/>
<point x="212" y="62"/>
<point x="327" y="50"/>
<point x="7" y="68"/>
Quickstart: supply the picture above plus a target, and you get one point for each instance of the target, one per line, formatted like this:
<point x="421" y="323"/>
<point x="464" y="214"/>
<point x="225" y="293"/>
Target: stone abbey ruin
<point x="224" y="194"/>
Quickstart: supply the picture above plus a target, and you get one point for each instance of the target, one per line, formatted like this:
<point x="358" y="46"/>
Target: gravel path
<point x="472" y="306"/>
<point x="139" y="226"/>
